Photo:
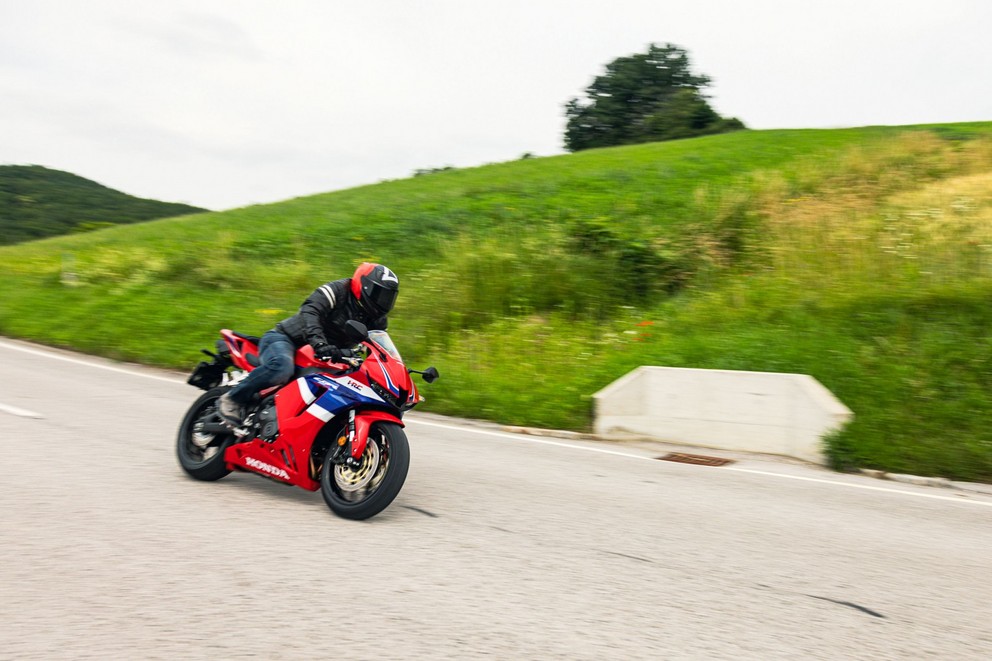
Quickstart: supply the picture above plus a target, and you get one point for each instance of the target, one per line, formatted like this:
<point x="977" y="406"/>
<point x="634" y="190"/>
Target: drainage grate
<point x="698" y="459"/>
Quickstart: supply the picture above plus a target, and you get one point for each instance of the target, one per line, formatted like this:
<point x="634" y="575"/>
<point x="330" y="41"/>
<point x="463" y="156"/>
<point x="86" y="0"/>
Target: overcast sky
<point x="225" y="103"/>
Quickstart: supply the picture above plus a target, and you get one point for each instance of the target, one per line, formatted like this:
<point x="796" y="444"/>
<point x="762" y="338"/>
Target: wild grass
<point x="860" y="256"/>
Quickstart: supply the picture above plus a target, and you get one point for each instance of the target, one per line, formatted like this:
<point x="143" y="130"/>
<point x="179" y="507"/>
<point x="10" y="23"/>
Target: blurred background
<point x="566" y="192"/>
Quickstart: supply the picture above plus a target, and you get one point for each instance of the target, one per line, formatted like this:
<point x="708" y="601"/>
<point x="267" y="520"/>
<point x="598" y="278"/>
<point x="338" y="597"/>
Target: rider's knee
<point x="282" y="367"/>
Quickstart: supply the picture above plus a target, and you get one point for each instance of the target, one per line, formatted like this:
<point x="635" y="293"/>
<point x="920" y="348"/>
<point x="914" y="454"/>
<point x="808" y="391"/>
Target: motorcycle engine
<point x="268" y="425"/>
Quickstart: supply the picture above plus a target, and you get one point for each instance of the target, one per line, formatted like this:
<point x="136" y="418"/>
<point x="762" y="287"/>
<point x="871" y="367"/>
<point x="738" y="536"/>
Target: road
<point x="500" y="545"/>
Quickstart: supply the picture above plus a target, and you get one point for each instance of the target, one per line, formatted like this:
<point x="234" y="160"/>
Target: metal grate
<point x="697" y="459"/>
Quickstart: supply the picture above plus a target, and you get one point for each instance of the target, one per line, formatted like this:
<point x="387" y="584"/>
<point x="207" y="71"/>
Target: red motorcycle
<point x="335" y="427"/>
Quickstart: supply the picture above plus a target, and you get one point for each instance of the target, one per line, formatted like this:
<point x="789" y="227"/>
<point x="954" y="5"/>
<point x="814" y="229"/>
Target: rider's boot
<point x="228" y="409"/>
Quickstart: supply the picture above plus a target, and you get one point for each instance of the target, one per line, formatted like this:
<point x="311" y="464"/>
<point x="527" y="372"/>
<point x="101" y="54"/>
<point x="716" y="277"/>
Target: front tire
<point x="363" y="493"/>
<point x="201" y="454"/>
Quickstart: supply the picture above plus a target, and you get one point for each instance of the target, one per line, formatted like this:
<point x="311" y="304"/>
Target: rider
<point x="367" y="296"/>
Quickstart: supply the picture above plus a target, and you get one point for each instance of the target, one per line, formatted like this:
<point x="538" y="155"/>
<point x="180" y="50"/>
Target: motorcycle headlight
<point x="387" y="396"/>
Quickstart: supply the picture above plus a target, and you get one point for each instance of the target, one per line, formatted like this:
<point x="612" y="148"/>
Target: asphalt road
<point x="499" y="545"/>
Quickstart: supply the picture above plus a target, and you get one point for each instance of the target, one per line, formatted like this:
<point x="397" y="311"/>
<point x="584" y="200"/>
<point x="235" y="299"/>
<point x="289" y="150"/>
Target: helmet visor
<point x="381" y="298"/>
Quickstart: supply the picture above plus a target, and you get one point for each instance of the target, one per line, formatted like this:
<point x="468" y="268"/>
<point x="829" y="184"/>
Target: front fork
<point x="352" y="460"/>
<point x="359" y="424"/>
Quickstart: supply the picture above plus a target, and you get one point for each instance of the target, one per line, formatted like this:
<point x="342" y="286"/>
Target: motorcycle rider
<point x="367" y="296"/>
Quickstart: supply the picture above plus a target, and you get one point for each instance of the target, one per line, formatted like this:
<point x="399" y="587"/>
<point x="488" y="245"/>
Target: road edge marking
<point x="87" y="363"/>
<point x="19" y="412"/>
<point x="867" y="487"/>
<point x="531" y="439"/>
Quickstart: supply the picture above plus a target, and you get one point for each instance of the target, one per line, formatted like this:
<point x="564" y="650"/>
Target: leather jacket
<point x="322" y="317"/>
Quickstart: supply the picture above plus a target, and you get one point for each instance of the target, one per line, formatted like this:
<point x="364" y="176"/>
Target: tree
<point x="646" y="97"/>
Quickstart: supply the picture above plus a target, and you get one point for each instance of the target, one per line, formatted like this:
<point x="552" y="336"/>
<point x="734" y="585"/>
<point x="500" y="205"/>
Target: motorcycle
<point x="335" y="427"/>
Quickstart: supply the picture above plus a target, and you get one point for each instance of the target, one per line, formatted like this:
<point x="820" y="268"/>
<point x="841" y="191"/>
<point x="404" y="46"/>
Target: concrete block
<point x="785" y="414"/>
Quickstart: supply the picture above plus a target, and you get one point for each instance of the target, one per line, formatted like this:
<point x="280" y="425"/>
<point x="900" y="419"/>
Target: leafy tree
<point x="646" y="97"/>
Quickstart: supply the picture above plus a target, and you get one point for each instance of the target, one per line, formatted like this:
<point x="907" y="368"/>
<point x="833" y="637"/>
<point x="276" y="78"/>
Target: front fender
<point x="363" y="422"/>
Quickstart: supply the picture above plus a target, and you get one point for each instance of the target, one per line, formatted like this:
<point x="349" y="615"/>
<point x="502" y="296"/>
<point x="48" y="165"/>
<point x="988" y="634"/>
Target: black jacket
<point x="322" y="317"/>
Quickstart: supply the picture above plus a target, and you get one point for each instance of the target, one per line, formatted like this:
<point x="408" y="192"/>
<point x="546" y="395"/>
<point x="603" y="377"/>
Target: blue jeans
<point x="275" y="353"/>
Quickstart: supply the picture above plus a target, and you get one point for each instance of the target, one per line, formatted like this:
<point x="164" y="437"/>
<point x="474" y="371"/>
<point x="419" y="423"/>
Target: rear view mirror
<point x="356" y="331"/>
<point x="430" y="375"/>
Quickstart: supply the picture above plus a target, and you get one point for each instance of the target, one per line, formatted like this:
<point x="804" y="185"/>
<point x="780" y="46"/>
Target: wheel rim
<point x="355" y="485"/>
<point x="200" y="446"/>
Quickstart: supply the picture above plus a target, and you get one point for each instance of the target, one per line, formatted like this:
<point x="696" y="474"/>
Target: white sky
<point x="224" y="103"/>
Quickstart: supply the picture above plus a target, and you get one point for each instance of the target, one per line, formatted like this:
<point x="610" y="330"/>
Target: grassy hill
<point x="36" y="202"/>
<point x="860" y="256"/>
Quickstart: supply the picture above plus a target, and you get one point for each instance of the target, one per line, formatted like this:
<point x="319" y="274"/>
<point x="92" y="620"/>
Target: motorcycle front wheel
<point x="365" y="491"/>
<point x="201" y="452"/>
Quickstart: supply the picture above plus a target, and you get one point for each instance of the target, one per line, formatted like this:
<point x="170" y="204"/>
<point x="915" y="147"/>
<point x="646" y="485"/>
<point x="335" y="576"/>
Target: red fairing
<point x="305" y="358"/>
<point x="278" y="460"/>
<point x="363" y="422"/>
<point x="240" y="349"/>
<point x="287" y="457"/>
<point x="295" y="421"/>
<point x="314" y="431"/>
<point x="388" y="371"/>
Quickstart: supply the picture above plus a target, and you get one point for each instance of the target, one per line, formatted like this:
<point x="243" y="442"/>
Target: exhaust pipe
<point x="216" y="428"/>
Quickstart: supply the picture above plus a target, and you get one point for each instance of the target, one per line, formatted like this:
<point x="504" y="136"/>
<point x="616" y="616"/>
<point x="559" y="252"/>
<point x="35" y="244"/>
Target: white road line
<point x="959" y="499"/>
<point x="76" y="361"/>
<point x="13" y="410"/>
<point x="525" y="438"/>
<point x="539" y="441"/>
<point x="835" y="483"/>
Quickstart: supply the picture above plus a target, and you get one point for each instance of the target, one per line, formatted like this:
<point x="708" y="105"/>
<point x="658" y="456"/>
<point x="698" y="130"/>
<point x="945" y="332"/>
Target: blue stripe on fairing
<point x="389" y="382"/>
<point x="336" y="398"/>
<point x="306" y="390"/>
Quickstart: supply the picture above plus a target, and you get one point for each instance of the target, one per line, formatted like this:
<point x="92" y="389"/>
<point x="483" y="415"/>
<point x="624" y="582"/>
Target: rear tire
<point x="201" y="454"/>
<point x="364" y="493"/>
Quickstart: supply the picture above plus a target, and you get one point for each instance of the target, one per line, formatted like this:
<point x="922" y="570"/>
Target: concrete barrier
<point x="785" y="414"/>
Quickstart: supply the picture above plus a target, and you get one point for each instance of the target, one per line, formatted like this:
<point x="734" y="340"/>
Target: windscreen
<point x="383" y="340"/>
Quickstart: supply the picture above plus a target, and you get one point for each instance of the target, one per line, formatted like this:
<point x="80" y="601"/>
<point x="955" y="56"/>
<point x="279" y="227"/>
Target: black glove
<point x="324" y="351"/>
<point x="330" y="353"/>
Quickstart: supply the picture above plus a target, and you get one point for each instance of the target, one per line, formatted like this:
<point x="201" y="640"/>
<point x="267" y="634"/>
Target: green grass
<point x="37" y="202"/>
<point x="860" y="256"/>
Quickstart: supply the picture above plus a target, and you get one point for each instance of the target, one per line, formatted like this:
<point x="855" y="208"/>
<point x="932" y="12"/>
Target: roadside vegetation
<point x="860" y="256"/>
<point x="36" y="202"/>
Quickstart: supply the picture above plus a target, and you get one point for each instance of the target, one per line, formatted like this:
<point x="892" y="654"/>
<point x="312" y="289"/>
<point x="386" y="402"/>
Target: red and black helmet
<point x="375" y="288"/>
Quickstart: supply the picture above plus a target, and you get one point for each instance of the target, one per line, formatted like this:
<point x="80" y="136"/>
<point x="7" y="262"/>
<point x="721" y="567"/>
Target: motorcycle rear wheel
<point x="364" y="492"/>
<point x="201" y="454"/>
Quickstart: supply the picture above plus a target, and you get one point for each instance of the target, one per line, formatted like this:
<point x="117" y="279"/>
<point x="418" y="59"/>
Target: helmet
<point x="375" y="288"/>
